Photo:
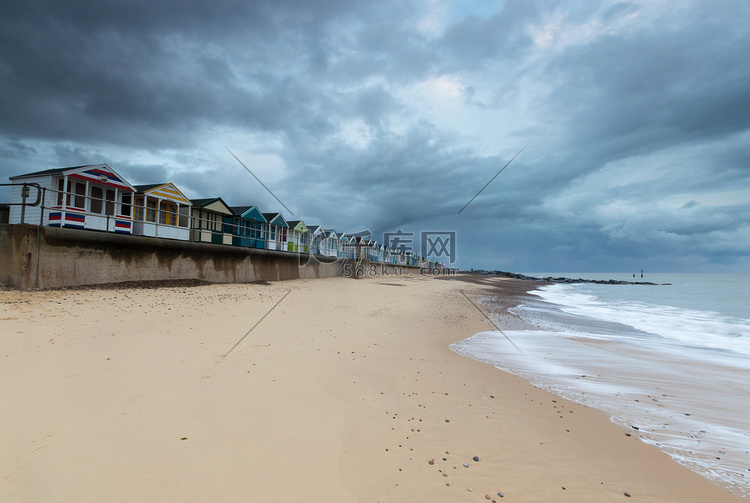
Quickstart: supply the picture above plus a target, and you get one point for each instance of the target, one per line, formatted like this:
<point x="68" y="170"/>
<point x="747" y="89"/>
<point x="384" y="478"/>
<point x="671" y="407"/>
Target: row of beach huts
<point x="95" y="197"/>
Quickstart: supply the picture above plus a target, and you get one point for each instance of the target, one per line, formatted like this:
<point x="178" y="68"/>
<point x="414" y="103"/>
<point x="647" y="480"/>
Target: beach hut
<point x="160" y="210"/>
<point x="330" y="243"/>
<point x="346" y="249"/>
<point x="353" y="246"/>
<point x="83" y="197"/>
<point x="387" y="254"/>
<point x="317" y="236"/>
<point x="365" y="248"/>
<point x="357" y="244"/>
<point x="410" y="258"/>
<point x="298" y="238"/>
<point x="398" y="256"/>
<point x="248" y="227"/>
<point x="379" y="252"/>
<point x="207" y="222"/>
<point x="278" y="231"/>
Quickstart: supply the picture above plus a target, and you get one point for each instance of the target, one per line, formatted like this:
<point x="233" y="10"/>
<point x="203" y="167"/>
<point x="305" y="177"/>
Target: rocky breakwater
<point x="550" y="279"/>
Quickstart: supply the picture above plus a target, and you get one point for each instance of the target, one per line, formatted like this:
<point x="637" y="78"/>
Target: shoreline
<point x="682" y="401"/>
<point x="344" y="391"/>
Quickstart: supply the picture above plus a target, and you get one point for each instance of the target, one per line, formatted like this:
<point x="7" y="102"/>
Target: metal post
<point x="24" y="195"/>
<point x="38" y="236"/>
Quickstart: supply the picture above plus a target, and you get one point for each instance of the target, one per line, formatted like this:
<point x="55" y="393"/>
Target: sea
<point x="670" y="360"/>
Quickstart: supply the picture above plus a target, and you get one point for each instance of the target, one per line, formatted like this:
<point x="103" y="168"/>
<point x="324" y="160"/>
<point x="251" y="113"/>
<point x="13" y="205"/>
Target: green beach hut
<point x="298" y="238"/>
<point x="207" y="224"/>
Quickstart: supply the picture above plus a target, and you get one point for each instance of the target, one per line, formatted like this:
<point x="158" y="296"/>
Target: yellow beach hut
<point x="162" y="211"/>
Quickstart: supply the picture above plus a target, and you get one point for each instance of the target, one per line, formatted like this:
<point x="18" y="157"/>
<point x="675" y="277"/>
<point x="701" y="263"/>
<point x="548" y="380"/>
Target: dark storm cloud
<point x="149" y="73"/>
<point x="394" y="114"/>
<point x="655" y="87"/>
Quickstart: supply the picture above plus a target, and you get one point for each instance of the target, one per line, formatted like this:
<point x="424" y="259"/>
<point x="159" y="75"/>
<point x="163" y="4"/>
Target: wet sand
<point x="338" y="390"/>
<point x="694" y="408"/>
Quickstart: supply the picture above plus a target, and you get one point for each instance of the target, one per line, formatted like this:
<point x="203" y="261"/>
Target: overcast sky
<point x="634" y="118"/>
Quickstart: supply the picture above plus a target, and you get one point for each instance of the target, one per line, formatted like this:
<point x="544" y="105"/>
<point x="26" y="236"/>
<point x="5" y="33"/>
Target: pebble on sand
<point x="475" y="458"/>
<point x="431" y="462"/>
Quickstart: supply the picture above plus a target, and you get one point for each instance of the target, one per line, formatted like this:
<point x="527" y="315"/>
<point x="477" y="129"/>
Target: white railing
<point x="251" y="233"/>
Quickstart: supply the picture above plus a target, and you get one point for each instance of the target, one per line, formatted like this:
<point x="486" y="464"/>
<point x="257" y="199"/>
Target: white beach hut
<point x="278" y="231"/>
<point x="83" y="197"/>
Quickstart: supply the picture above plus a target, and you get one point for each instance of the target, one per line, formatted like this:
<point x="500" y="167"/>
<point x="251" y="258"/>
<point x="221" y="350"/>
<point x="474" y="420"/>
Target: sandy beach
<point x="306" y="390"/>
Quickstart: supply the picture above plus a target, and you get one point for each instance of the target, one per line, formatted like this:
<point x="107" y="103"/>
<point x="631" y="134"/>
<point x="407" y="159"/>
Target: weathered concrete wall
<point x="72" y="257"/>
<point x="17" y="254"/>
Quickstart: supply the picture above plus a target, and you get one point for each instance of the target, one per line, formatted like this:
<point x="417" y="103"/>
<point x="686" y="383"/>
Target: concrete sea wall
<point x="34" y="256"/>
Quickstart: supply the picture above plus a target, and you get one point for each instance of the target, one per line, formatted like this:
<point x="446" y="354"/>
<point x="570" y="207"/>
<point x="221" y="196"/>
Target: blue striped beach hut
<point x="93" y="197"/>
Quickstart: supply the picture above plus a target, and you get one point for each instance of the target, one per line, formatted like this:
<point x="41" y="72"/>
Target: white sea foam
<point x="689" y="326"/>
<point x="677" y="372"/>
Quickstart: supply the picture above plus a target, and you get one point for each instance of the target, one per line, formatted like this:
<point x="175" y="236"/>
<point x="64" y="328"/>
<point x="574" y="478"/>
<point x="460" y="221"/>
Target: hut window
<point x="197" y="219"/>
<point x="167" y="213"/>
<point x="60" y="190"/>
<point x="80" y="199"/>
<point x="110" y="198"/>
<point x="257" y="229"/>
<point x="139" y="209"/>
<point x="126" y="199"/>
<point x="151" y="210"/>
<point x="183" y="216"/>
<point x="96" y="199"/>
